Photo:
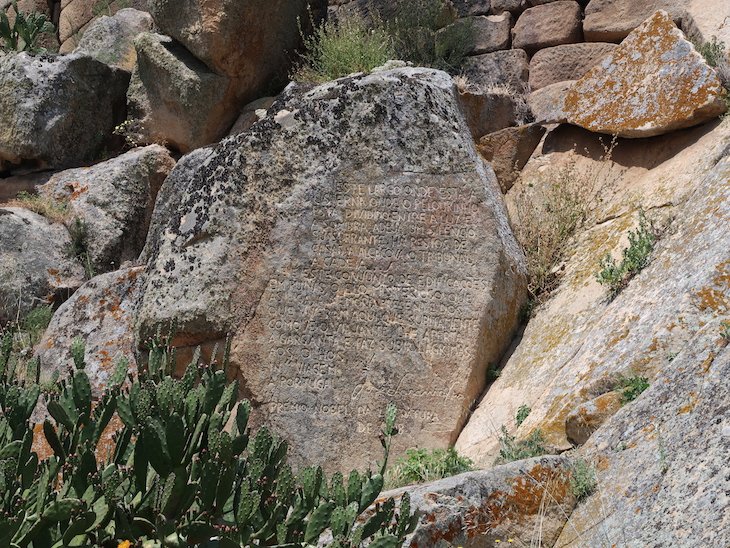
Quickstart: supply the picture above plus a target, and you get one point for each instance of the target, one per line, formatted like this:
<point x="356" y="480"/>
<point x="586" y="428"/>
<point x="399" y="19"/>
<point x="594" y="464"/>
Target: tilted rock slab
<point x="115" y="199"/>
<point x="35" y="267"/>
<point x="506" y="504"/>
<point x="653" y="83"/>
<point x="567" y="62"/>
<point x="359" y="250"/>
<point x="57" y="111"/>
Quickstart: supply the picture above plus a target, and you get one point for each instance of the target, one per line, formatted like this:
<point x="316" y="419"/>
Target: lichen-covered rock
<point x="662" y="461"/>
<point x="251" y="113"/>
<point x="76" y="15"/>
<point x="358" y="249"/>
<point x="613" y="20"/>
<point x="57" y="111"/>
<point x="101" y="314"/>
<point x="508" y="150"/>
<point x="506" y="504"/>
<point x="548" y="25"/>
<point x="653" y="83"/>
<point x="501" y="68"/>
<point x="115" y="200"/>
<point x="547" y="104"/>
<point x="35" y="266"/>
<point x="251" y="43"/>
<point x="588" y="417"/>
<point x="175" y="98"/>
<point x="111" y="39"/>
<point x="577" y="338"/>
<point x="566" y="62"/>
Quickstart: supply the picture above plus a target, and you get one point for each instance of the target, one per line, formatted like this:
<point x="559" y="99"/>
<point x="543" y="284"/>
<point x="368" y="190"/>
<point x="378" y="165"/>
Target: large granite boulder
<point x="653" y="83"/>
<point x="175" y="99"/>
<point x="111" y="39"/>
<point x="229" y="37"/>
<point x="57" y="111"/>
<point x="359" y="251"/>
<point x="101" y="314"/>
<point x="115" y="200"/>
<point x="35" y="266"/>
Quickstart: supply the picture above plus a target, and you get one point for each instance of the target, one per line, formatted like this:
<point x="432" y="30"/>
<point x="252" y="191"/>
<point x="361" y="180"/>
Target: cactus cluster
<point x="183" y="469"/>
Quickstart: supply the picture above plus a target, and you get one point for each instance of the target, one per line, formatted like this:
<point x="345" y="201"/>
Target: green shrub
<point x="522" y="413"/>
<point x="635" y="258"/>
<point x="713" y="51"/>
<point x="631" y="387"/>
<point x="36" y="321"/>
<point x="171" y="476"/>
<point x="26" y="30"/>
<point x="422" y="465"/>
<point x="79" y="247"/>
<point x="725" y="330"/>
<point x="511" y="449"/>
<point x="338" y="48"/>
<point x="583" y="481"/>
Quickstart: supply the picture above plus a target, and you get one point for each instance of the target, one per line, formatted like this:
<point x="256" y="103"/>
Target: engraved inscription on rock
<point x="382" y="291"/>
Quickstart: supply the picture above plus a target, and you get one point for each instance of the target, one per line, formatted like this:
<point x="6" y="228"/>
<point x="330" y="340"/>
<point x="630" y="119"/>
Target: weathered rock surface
<point x="76" y="16"/>
<point x="361" y="259"/>
<point x="229" y="37"/>
<point x="508" y="150"/>
<point x="566" y="62"/>
<point x="512" y="503"/>
<point x="101" y="314"/>
<point x="662" y="461"/>
<point x="115" y="200"/>
<point x="653" y="83"/>
<point x="548" y="25"/>
<point x="491" y="32"/>
<point x="492" y="110"/>
<point x="501" y="68"/>
<point x="548" y="104"/>
<point x="176" y="98"/>
<point x="35" y="268"/>
<point x="498" y="6"/>
<point x="11" y="186"/>
<point x="111" y="39"/>
<point x="588" y="417"/>
<point x="613" y="20"/>
<point x="577" y="339"/>
<point x="465" y="8"/>
<point x="57" y="111"/>
<point x="252" y="113"/>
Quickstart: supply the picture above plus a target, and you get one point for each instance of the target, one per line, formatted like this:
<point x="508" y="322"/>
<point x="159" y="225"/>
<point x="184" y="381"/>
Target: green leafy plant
<point x="171" y="474"/>
<point x="422" y="465"/>
<point x="725" y="330"/>
<point x="79" y="246"/>
<point x="341" y="47"/>
<point x="522" y="413"/>
<point x="631" y="387"/>
<point x="583" y="481"/>
<point x="713" y="51"/>
<point x="635" y="258"/>
<point x="512" y="449"/>
<point x="36" y="321"/>
<point x="25" y="31"/>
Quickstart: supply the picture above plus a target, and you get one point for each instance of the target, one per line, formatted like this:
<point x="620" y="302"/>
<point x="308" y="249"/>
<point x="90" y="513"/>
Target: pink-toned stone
<point x="508" y="150"/>
<point x="566" y="62"/>
<point x="654" y="83"/>
<point x="548" y="25"/>
<point x="613" y="20"/>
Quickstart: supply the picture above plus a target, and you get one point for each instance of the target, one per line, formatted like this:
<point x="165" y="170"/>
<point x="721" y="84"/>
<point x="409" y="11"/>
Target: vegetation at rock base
<point x="423" y="32"/>
<point x="583" y="479"/>
<point x="422" y="465"/>
<point x="25" y="32"/>
<point x="634" y="258"/>
<point x="53" y="210"/>
<point x="631" y="387"/>
<point x="79" y="248"/>
<point x="171" y="475"/>
<point x="512" y="449"/>
<point x="522" y="413"/>
<point x="715" y="54"/>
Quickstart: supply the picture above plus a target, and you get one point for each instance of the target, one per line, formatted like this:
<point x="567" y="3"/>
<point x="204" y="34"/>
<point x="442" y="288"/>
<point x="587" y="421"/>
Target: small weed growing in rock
<point x="422" y="465"/>
<point x="725" y="330"/>
<point x="53" y="210"/>
<point x="522" y="413"/>
<point x="631" y="387"/>
<point x="714" y="53"/>
<point x="36" y="321"/>
<point x="79" y="247"/>
<point x="26" y="30"/>
<point x="583" y="479"/>
<point x="345" y="46"/>
<point x="635" y="258"/>
<point x="511" y="449"/>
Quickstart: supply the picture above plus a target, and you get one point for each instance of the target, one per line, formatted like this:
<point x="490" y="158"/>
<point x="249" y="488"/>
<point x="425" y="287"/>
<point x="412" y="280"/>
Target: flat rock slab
<point x="548" y="25"/>
<point x="613" y="20"/>
<point x="653" y="83"/>
<point x="359" y="251"/>
<point x="548" y="104"/>
<point x="505" y="504"/>
<point x="566" y="62"/>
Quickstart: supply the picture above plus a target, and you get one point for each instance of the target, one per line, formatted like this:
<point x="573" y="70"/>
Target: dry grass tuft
<point x="50" y="208"/>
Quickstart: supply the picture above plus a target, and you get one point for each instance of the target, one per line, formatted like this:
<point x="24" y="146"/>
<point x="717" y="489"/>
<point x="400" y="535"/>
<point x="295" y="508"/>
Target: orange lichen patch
<point x="40" y="445"/>
<point x="618" y="337"/>
<point x="712" y="299"/>
<point x="106" y="446"/>
<point x="689" y="406"/>
<point x="602" y="463"/>
<point x="76" y="189"/>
